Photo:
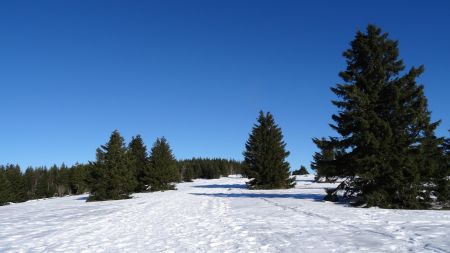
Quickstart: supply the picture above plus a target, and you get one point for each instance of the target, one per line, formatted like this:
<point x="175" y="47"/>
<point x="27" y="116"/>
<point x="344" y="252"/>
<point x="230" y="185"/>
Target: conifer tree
<point x="324" y="161"/>
<point x="5" y="187"/>
<point x="162" y="170"/>
<point x="187" y="174"/>
<point x="441" y="177"/>
<point x="111" y="176"/>
<point x="137" y="152"/>
<point x="53" y="175"/>
<point x="30" y="181"/>
<point x="79" y="178"/>
<point x="383" y="123"/>
<point x="17" y="185"/>
<point x="42" y="183"/>
<point x="265" y="156"/>
<point x="301" y="171"/>
<point x="63" y="181"/>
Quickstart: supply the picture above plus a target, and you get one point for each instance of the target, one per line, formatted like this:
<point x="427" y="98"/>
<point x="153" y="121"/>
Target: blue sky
<point x="196" y="72"/>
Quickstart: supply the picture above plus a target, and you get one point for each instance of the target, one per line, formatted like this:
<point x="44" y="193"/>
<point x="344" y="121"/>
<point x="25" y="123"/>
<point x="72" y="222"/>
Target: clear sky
<point x="196" y="72"/>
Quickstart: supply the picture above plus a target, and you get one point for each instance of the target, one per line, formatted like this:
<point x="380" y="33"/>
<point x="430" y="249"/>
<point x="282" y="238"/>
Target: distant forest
<point x="42" y="182"/>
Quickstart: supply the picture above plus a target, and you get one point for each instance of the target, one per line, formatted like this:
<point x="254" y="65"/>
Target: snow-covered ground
<point x="219" y="216"/>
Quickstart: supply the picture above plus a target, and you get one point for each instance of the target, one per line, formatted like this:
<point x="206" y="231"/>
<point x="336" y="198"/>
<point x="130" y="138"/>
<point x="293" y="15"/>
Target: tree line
<point x="118" y="171"/>
<point x="41" y="182"/>
<point x="208" y="168"/>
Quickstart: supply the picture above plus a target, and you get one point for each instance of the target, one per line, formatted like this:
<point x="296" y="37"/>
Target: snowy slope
<point x="219" y="216"/>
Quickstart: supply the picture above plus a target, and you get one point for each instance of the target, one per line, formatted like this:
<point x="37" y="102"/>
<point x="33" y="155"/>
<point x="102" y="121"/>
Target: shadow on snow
<point x="226" y="186"/>
<point x="317" y="197"/>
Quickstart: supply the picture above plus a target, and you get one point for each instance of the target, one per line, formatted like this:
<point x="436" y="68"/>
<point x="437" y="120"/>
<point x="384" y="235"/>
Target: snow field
<point x="219" y="215"/>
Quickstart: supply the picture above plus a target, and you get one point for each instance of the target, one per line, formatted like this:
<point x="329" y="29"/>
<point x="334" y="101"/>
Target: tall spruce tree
<point x="111" y="175"/>
<point x="383" y="123"/>
<point x="162" y="170"/>
<point x="265" y="156"/>
<point x="137" y="153"/>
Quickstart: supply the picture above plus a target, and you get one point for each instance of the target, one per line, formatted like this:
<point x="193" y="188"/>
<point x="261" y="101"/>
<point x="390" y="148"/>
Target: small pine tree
<point x="187" y="174"/>
<point x="301" y="171"/>
<point x="137" y="153"/>
<point x="162" y="170"/>
<point x="111" y="176"/>
<point x="265" y="156"/>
